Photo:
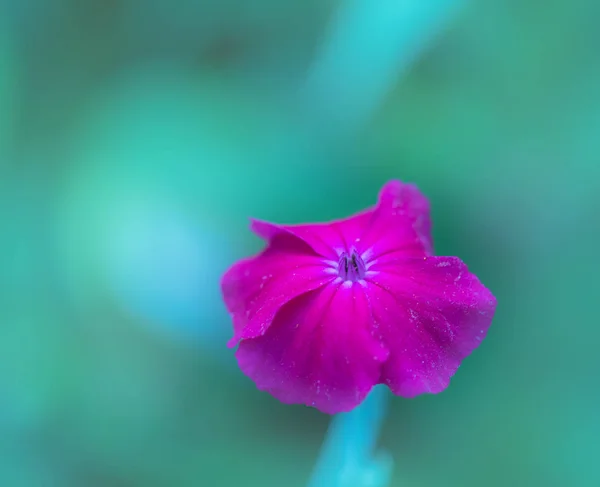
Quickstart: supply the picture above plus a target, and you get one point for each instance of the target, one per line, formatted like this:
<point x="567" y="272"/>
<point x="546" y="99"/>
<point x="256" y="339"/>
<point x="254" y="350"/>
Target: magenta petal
<point x="353" y="228"/>
<point x="442" y="312"/>
<point x="400" y="224"/>
<point x="329" y="310"/>
<point x="254" y="289"/>
<point x="319" y="350"/>
<point x="321" y="238"/>
<point x="326" y="239"/>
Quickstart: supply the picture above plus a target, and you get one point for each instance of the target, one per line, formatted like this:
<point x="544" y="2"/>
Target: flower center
<point x="351" y="267"/>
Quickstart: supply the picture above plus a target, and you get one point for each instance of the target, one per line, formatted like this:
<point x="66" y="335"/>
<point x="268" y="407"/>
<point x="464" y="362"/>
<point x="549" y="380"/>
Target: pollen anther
<point x="351" y="266"/>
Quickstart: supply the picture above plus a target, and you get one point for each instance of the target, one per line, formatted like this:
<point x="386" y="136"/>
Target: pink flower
<point x="328" y="310"/>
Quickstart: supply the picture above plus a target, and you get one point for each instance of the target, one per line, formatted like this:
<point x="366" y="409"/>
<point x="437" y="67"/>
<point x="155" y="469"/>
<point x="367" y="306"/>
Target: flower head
<point x="328" y="310"/>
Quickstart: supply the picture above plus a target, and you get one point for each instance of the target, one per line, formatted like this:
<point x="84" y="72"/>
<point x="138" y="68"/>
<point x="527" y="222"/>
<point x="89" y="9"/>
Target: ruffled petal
<point x="400" y="224"/>
<point x="432" y="313"/>
<point x="326" y="239"/>
<point x="254" y="289"/>
<point x="319" y="350"/>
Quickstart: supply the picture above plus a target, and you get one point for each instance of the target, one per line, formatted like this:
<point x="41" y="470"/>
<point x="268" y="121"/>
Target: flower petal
<point x="319" y="350"/>
<point x="400" y="224"/>
<point x="254" y="289"/>
<point x="441" y="312"/>
<point x="326" y="239"/>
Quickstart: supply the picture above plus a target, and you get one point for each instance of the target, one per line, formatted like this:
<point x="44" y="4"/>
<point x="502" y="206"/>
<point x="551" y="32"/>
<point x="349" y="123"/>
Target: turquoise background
<point x="137" y="137"/>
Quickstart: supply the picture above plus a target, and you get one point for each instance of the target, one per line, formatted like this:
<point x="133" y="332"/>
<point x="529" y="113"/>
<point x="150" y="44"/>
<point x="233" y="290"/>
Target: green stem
<point x="346" y="458"/>
<point x="369" y="45"/>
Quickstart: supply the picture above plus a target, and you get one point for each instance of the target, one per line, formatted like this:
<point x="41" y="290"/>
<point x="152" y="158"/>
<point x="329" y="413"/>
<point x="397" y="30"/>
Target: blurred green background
<point x="137" y="137"/>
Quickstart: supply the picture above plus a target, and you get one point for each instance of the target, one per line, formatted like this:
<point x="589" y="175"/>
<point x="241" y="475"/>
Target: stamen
<point x="351" y="267"/>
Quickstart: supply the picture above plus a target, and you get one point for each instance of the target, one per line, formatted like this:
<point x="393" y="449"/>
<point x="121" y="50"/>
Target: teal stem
<point x="369" y="45"/>
<point x="347" y="456"/>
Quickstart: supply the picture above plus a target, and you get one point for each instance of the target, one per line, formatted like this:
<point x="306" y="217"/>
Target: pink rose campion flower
<point x="328" y="310"/>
